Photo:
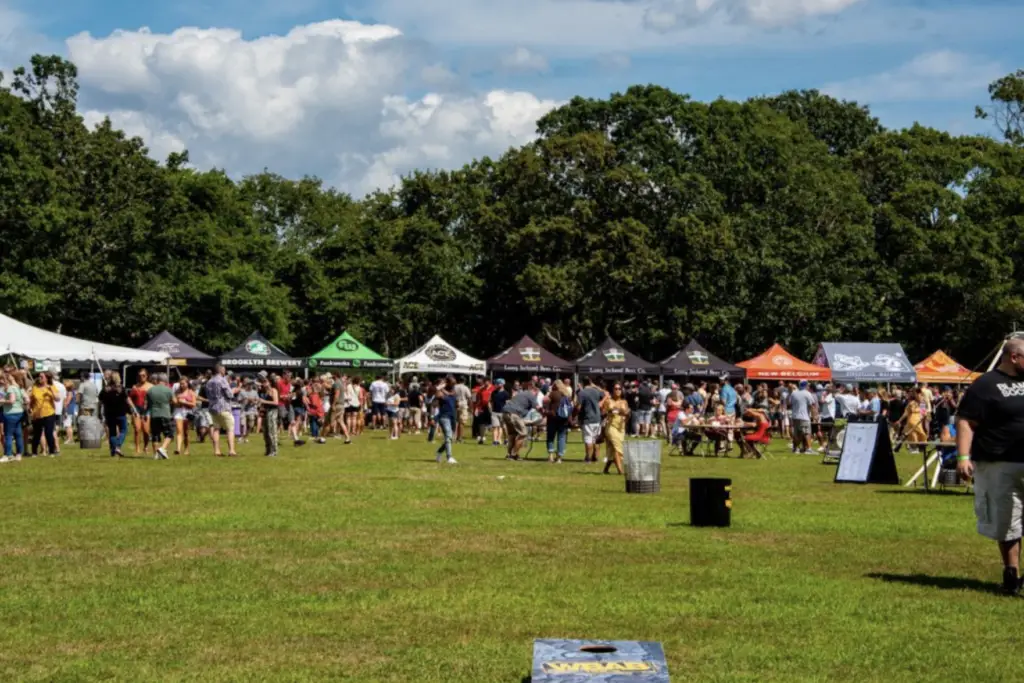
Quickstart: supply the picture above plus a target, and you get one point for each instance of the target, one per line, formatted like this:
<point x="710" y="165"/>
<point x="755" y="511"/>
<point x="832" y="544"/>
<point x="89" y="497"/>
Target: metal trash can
<point x="642" y="461"/>
<point x="90" y="432"/>
<point x="711" y="502"/>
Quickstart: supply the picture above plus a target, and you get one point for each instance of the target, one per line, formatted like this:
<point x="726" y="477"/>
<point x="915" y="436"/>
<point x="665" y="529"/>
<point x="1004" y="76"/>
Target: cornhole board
<point x="598" y="661"/>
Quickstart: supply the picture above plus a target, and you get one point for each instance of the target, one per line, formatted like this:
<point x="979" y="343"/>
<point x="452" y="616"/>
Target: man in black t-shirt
<point x="499" y="397"/>
<point x="645" y="402"/>
<point x="990" y="447"/>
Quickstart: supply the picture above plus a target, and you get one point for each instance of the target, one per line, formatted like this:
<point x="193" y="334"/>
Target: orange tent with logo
<point x="778" y="363"/>
<point x="939" y="367"/>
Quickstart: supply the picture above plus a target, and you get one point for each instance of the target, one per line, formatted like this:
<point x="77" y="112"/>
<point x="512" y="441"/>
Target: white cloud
<point x="670" y="14"/>
<point x="327" y="99"/>
<point x="522" y="59"/>
<point x="940" y="75"/>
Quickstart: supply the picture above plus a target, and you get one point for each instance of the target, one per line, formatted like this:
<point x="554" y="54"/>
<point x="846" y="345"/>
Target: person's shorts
<point x="69" y="420"/>
<point x="338" y="409"/>
<point x="225" y="421"/>
<point x="591" y="433"/>
<point x="142" y="412"/>
<point x="403" y="414"/>
<point x="495" y="420"/>
<point x="514" y="424"/>
<point x="643" y="417"/>
<point x="351" y="409"/>
<point x="181" y="414"/>
<point x="161" y="428"/>
<point x="465" y="417"/>
<point x="801" y="428"/>
<point x="380" y="408"/>
<point x="827" y="423"/>
<point x="285" y="415"/>
<point x="999" y="499"/>
<point x="250" y="420"/>
<point x="298" y="412"/>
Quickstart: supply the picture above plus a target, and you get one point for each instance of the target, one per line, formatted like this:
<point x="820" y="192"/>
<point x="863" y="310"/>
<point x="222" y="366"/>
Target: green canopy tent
<point x="347" y="352"/>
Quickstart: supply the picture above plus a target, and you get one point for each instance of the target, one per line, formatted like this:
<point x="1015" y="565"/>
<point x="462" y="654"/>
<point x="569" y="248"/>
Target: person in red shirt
<point x="284" y="401"/>
<point x="481" y="409"/>
<point x="315" y="410"/>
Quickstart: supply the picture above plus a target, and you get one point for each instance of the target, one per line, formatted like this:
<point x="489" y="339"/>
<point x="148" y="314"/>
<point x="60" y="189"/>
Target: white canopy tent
<point x="439" y="357"/>
<point x="20" y="339"/>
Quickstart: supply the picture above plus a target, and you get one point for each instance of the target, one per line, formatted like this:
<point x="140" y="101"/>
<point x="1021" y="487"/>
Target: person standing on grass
<point x="184" y="405"/>
<point x="140" y="418"/>
<point x="44" y="411"/>
<point x="250" y="399"/>
<point x="158" y="405"/>
<point x="70" y="411"/>
<point x="15" y="401"/>
<point x="463" y="402"/>
<point x="589" y="404"/>
<point x="415" y="407"/>
<point x="316" y="411"/>
<point x="379" y="391"/>
<point x="117" y="405"/>
<point x="447" y="414"/>
<point x="615" y="408"/>
<point x="338" y="405"/>
<point x="88" y="396"/>
<point x="804" y="405"/>
<point x="220" y="394"/>
<point x="499" y="397"/>
<point x="558" y="407"/>
<point x="990" y="448"/>
<point x="269" y="406"/>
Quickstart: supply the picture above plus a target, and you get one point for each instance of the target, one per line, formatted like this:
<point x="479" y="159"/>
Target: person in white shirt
<point x="847" y="403"/>
<point x="826" y="417"/>
<point x="379" y="391"/>
<point x="58" y="407"/>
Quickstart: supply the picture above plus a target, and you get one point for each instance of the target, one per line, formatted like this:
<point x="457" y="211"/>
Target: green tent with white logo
<point x="348" y="352"/>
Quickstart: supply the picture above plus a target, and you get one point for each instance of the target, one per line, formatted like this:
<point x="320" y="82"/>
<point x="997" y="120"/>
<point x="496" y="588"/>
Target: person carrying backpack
<point x="559" y="408"/>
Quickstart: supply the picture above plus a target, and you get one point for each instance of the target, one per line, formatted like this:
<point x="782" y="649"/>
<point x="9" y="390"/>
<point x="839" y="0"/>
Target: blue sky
<point x="435" y="84"/>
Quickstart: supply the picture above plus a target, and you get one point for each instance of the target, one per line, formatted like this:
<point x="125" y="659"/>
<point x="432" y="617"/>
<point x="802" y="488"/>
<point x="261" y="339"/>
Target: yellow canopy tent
<point x="940" y="368"/>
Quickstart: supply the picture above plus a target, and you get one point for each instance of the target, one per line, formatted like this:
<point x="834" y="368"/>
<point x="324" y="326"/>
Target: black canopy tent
<point x="181" y="354"/>
<point x="526" y="355"/>
<point x="257" y="353"/>
<point x="609" y="358"/>
<point x="693" y="360"/>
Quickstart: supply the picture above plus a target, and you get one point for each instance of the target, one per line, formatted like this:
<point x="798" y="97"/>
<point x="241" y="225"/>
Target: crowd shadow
<point x="953" y="583"/>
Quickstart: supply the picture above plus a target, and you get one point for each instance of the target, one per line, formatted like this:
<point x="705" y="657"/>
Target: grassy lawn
<point x="372" y="563"/>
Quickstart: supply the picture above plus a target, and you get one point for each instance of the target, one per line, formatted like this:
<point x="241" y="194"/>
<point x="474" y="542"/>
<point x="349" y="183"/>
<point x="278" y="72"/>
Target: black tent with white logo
<point x="609" y="358"/>
<point x="527" y="355"/>
<point x="693" y="360"/>
<point x="259" y="353"/>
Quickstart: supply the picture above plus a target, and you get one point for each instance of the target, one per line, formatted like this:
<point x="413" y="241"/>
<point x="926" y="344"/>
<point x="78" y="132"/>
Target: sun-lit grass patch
<point x="372" y="563"/>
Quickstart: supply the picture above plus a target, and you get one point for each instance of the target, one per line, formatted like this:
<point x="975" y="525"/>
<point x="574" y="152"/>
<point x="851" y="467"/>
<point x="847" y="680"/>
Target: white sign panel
<point x="858" y="451"/>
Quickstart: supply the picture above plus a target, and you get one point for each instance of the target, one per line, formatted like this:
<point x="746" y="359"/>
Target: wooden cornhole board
<point x="598" y="661"/>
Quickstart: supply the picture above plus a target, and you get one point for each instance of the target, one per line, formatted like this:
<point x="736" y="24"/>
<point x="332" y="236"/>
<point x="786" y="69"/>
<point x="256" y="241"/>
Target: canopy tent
<point x="865" y="362"/>
<point x="180" y="353"/>
<point x="998" y="354"/>
<point x="439" y="357"/>
<point x="693" y="360"/>
<point x="778" y="363"/>
<point x="940" y="368"/>
<point x="527" y="355"/>
<point x="347" y="352"/>
<point x="258" y="352"/>
<point x="609" y="358"/>
<point x="24" y="340"/>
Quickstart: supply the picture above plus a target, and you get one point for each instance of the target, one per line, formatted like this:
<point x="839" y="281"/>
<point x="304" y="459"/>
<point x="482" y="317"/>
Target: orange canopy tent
<point x="939" y="367"/>
<point x="778" y="363"/>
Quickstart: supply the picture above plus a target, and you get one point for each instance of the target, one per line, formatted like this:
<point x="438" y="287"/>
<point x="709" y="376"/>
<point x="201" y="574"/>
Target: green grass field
<point x="372" y="563"/>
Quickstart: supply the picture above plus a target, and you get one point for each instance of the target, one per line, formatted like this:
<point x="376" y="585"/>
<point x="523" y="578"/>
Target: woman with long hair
<point x="70" y="410"/>
<point x="116" y="407"/>
<point x="184" y="405"/>
<point x="615" y="410"/>
<point x="44" y="414"/>
<point x="269" y="408"/>
<point x="558" y="407"/>
<point x="15" y="401"/>
<point x="911" y="426"/>
<point x="140" y="414"/>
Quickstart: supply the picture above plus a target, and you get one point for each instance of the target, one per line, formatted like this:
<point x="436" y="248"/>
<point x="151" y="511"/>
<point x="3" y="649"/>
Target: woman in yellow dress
<point x="615" y="410"/>
<point x="911" y="425"/>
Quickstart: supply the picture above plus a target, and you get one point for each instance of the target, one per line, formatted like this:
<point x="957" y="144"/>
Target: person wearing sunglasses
<point x="615" y="409"/>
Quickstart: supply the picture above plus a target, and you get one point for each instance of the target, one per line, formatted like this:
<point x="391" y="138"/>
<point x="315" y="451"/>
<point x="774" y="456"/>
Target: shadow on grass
<point x="950" y="583"/>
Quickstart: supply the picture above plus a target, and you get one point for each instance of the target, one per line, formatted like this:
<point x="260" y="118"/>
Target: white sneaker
<point x="5" y="459"/>
<point x="161" y="454"/>
<point x="453" y="461"/>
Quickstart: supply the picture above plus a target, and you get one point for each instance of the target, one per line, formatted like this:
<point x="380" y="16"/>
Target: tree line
<point x="647" y="216"/>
